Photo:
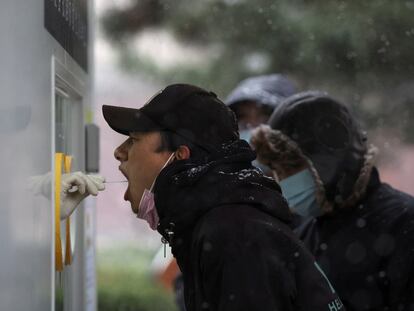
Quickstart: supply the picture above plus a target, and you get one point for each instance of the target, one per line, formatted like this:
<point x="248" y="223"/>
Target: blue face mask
<point x="299" y="190"/>
<point x="247" y="135"/>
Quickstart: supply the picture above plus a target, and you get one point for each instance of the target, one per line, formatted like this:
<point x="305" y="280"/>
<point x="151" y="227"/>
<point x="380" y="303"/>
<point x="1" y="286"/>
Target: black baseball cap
<point x="187" y="110"/>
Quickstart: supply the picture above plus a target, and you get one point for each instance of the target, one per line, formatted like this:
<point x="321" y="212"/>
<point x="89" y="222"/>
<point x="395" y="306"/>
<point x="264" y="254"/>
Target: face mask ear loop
<point x="153" y="183"/>
<point x="275" y="177"/>
<point x="164" y="166"/>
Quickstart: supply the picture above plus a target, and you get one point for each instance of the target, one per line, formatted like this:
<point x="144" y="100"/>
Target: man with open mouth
<point x="191" y="178"/>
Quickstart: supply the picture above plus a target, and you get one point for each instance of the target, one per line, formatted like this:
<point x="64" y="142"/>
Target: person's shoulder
<point x="386" y="197"/>
<point x="223" y="221"/>
<point x="394" y="207"/>
<point x="246" y="223"/>
<point x="233" y="216"/>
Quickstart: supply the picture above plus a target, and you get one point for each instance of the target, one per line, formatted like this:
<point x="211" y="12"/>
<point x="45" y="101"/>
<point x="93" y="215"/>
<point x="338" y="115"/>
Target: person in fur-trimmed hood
<point x="360" y="230"/>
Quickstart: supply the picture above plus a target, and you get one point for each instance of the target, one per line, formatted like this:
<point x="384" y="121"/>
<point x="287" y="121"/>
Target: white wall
<point x="26" y="220"/>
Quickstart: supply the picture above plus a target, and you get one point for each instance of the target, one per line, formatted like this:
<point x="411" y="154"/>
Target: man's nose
<point x="120" y="154"/>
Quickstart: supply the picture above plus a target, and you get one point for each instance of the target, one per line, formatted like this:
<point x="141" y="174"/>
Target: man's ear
<point x="182" y="153"/>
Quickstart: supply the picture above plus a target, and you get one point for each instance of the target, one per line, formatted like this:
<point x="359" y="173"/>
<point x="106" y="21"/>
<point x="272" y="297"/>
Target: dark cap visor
<point x="127" y="120"/>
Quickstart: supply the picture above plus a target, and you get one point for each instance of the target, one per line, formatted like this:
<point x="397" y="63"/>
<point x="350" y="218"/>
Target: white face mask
<point x="147" y="209"/>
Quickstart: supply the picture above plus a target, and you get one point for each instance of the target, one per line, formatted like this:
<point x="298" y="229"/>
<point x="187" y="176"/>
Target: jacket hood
<point x="186" y="190"/>
<point x="267" y="90"/>
<point x="313" y="126"/>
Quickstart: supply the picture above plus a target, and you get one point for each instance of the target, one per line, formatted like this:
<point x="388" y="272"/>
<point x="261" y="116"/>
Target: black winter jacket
<point x="365" y="240"/>
<point x="368" y="251"/>
<point x="227" y="225"/>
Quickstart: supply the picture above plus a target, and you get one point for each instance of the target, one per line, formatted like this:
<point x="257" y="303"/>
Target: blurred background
<point x="359" y="51"/>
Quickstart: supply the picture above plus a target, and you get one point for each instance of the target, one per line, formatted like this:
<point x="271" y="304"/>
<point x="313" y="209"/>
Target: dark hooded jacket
<point x="268" y="90"/>
<point x="365" y="239"/>
<point x="227" y="225"/>
<point x="367" y="250"/>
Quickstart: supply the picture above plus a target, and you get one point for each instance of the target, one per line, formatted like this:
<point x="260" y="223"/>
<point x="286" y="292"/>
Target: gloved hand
<point x="76" y="187"/>
<point x="41" y="184"/>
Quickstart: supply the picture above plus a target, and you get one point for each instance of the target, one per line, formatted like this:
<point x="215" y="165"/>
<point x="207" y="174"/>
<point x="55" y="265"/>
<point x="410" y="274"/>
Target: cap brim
<point x="127" y="120"/>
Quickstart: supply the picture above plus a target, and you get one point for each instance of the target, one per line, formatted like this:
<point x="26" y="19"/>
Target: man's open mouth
<point x="126" y="194"/>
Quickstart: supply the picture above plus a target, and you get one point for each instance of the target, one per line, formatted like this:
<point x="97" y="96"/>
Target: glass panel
<point x="63" y="124"/>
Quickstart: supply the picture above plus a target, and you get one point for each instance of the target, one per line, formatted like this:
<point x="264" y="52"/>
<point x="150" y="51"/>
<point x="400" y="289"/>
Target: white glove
<point x="41" y="184"/>
<point x="76" y="187"/>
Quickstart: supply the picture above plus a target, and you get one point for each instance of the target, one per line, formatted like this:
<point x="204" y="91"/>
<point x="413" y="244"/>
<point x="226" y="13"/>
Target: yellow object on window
<point x="58" y="183"/>
<point x="66" y="160"/>
<point x="68" y="251"/>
